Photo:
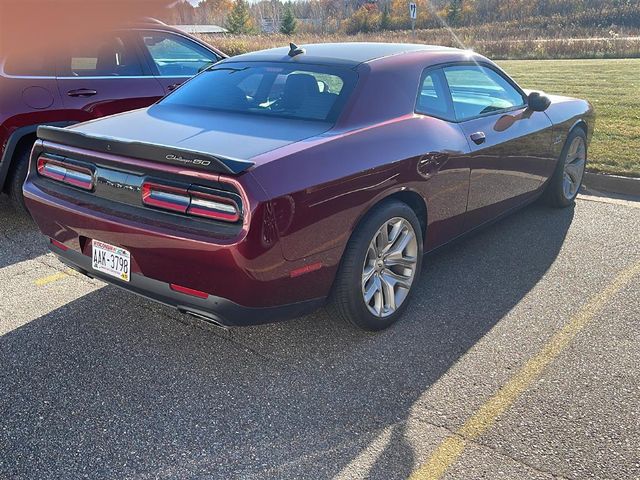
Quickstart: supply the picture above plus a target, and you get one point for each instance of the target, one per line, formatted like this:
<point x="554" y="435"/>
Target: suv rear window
<point x="309" y="92"/>
<point x="103" y="56"/>
<point x="33" y="64"/>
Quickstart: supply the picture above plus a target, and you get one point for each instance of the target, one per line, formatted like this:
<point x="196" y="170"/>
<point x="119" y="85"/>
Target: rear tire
<point x="565" y="183"/>
<point x="17" y="176"/>
<point x="379" y="270"/>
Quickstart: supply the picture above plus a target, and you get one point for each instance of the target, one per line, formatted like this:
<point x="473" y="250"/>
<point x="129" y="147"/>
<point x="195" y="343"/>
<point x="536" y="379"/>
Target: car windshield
<point x="306" y="92"/>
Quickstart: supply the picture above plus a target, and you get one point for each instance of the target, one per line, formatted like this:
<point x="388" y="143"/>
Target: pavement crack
<point x="269" y="358"/>
<point x="493" y="449"/>
<point x="517" y="460"/>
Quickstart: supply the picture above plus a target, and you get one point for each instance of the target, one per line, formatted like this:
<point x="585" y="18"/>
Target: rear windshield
<point x="306" y="92"/>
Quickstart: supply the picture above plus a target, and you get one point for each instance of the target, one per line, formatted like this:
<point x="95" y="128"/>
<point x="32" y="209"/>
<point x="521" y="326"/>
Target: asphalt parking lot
<point x="518" y="359"/>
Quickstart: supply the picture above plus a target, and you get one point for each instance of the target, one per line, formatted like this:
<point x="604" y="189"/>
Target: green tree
<point x="385" y="19"/>
<point x="239" y="20"/>
<point x="288" y="24"/>
<point x="454" y="12"/>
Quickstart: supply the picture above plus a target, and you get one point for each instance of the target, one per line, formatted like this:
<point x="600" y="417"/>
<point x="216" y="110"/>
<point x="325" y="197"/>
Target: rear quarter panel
<point x="321" y="192"/>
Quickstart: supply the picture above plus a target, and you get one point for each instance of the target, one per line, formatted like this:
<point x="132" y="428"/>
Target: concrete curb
<point x="612" y="183"/>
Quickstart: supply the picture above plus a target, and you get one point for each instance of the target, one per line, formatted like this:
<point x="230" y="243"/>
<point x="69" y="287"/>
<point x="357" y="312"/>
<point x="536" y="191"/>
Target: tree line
<point x="356" y="16"/>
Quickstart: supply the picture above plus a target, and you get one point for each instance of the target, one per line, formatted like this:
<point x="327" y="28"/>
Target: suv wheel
<point x="17" y="176"/>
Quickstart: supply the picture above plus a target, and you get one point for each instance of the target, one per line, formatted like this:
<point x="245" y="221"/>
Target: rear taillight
<point x="71" y="174"/>
<point x="191" y="202"/>
<point x="175" y="199"/>
<point x="213" y="206"/>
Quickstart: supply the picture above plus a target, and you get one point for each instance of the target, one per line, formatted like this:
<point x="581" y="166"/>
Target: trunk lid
<point x="178" y="135"/>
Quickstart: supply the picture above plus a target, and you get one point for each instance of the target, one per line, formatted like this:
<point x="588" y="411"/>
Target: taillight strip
<point x="68" y="173"/>
<point x="165" y="197"/>
<point x="53" y="171"/>
<point x="190" y="202"/>
<point x="210" y="206"/>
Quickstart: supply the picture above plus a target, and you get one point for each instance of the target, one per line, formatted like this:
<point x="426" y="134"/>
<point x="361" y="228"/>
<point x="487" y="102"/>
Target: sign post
<point x="413" y="14"/>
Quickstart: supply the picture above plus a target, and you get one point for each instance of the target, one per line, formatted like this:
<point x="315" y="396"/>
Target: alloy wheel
<point x="574" y="165"/>
<point x="389" y="267"/>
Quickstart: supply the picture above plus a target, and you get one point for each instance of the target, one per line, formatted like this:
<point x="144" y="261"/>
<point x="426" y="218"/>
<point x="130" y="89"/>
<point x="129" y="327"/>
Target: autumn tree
<point x="213" y="12"/>
<point x="181" y="13"/>
<point x="365" y="19"/>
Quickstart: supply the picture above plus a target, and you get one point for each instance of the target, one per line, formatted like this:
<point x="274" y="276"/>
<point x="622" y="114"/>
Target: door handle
<point x="82" y="92"/>
<point x="173" y="86"/>
<point x="478" y="138"/>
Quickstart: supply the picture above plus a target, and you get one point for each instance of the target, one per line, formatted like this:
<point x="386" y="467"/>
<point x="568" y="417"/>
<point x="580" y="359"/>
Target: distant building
<point x="201" y="29"/>
<point x="268" y="25"/>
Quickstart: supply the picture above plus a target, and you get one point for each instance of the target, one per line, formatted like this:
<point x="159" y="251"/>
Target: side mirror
<point x="538" y="102"/>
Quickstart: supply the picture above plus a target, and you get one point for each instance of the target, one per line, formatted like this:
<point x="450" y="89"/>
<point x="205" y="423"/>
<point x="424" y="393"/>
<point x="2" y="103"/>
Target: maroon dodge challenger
<point x="277" y="181"/>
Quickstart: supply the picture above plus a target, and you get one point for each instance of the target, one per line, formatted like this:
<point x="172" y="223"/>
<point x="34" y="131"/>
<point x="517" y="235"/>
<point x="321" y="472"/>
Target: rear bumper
<point x="216" y="309"/>
<point x="246" y="277"/>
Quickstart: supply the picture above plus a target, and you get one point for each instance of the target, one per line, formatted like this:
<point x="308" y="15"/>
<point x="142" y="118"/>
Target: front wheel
<point x="380" y="267"/>
<point x="566" y="180"/>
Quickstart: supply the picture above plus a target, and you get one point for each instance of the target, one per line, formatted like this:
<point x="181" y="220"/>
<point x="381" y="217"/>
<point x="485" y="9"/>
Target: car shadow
<point x="111" y="386"/>
<point x="20" y="239"/>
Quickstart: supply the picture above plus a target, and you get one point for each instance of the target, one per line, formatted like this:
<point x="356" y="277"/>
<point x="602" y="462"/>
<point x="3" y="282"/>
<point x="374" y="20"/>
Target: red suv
<point x="111" y="73"/>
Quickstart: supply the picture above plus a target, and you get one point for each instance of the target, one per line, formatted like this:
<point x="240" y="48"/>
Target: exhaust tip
<point x="208" y="318"/>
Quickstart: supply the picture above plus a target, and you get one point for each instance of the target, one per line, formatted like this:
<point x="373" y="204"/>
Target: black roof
<point x="348" y="53"/>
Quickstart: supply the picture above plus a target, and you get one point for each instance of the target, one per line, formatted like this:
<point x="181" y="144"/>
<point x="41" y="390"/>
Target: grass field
<point x="612" y="86"/>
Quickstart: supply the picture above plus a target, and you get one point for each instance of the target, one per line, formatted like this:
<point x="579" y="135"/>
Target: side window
<point x="34" y="64"/>
<point x="477" y="90"/>
<point x="176" y="56"/>
<point x="106" y="56"/>
<point x="433" y="98"/>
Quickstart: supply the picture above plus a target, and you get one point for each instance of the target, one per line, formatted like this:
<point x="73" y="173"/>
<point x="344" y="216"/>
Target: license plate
<point x="112" y="260"/>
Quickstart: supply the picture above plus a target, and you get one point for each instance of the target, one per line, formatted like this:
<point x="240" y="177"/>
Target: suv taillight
<point x="71" y="174"/>
<point x="191" y="201"/>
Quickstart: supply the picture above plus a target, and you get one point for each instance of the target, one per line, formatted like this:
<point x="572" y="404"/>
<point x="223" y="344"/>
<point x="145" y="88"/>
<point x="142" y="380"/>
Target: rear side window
<point x="478" y="90"/>
<point x="102" y="57"/>
<point x="176" y="56"/>
<point x="311" y="92"/>
<point x="433" y="98"/>
<point x="30" y="64"/>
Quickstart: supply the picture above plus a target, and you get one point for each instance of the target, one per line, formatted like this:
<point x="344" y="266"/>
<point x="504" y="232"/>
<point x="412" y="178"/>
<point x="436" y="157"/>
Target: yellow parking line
<point x="453" y="446"/>
<point x="40" y="282"/>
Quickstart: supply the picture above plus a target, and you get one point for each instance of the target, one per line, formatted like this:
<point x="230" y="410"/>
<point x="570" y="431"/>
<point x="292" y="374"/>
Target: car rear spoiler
<point x="144" y="151"/>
